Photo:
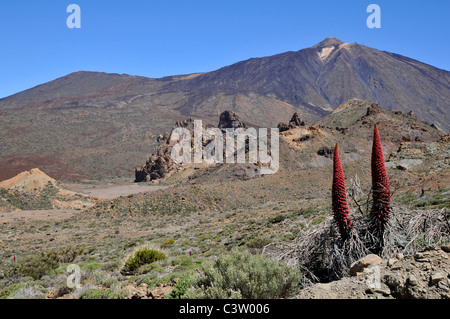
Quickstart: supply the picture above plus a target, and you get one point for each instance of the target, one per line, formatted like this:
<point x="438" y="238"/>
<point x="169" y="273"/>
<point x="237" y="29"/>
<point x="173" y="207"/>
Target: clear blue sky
<point x="167" y="37"/>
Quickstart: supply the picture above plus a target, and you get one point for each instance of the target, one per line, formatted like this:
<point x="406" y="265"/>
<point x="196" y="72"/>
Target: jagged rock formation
<point x="160" y="164"/>
<point x="295" y="121"/>
<point x="229" y="119"/>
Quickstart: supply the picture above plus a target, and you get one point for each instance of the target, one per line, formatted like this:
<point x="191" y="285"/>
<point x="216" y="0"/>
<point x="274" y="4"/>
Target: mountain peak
<point x="328" y="42"/>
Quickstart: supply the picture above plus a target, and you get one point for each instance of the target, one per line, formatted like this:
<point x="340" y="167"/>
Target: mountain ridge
<point x="92" y="124"/>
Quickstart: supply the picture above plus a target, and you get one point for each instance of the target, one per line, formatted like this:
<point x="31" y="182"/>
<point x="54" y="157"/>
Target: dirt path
<point x="112" y="190"/>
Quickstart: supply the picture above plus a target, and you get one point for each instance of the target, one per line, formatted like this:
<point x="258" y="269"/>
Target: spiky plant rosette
<point x="339" y="198"/>
<point x="381" y="207"/>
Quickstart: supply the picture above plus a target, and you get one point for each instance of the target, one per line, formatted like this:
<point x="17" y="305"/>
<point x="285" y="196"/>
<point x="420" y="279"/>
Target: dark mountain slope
<point x="318" y="79"/>
<point x="96" y="125"/>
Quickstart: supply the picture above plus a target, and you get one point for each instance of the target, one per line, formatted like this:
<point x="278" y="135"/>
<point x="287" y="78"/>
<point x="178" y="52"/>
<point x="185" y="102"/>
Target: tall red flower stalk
<point x="381" y="208"/>
<point x="339" y="197"/>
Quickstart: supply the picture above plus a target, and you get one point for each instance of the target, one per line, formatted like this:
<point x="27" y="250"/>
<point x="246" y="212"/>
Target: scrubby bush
<point x="258" y="242"/>
<point x="102" y="294"/>
<point x="34" y="266"/>
<point x="44" y="263"/>
<point x="242" y="275"/>
<point x="155" y="279"/>
<point x="142" y="257"/>
<point x="168" y="243"/>
<point x="110" y="266"/>
<point x="30" y="291"/>
<point x="148" y="268"/>
<point x="65" y="255"/>
<point x="62" y="290"/>
<point x="11" y="290"/>
<point x="180" y="288"/>
<point x="276" y="219"/>
<point x="92" y="266"/>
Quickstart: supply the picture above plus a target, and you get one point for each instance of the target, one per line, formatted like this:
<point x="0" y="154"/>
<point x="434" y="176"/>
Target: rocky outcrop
<point x="295" y="121"/>
<point x="229" y="119"/>
<point x="373" y="109"/>
<point x="160" y="164"/>
<point x="426" y="275"/>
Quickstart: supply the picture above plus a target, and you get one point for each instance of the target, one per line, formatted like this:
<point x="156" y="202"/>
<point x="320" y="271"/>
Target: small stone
<point x="422" y="257"/>
<point x="384" y="290"/>
<point x="437" y="277"/>
<point x="412" y="280"/>
<point x="361" y="264"/>
<point x="392" y="281"/>
<point x="400" y="256"/>
<point x="50" y="294"/>
<point x="443" y="286"/>
<point x="392" y="261"/>
<point x="160" y="292"/>
<point x="369" y="291"/>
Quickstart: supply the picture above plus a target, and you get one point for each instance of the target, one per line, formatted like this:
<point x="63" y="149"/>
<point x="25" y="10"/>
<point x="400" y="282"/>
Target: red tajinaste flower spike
<point x="339" y="197"/>
<point x="381" y="209"/>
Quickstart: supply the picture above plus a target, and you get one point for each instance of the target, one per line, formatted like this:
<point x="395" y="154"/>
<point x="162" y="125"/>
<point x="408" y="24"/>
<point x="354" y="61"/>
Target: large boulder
<point x="362" y="264"/>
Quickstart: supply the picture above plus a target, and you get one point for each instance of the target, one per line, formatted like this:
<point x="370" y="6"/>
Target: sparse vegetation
<point x="241" y="275"/>
<point x="28" y="200"/>
<point x="140" y="258"/>
<point x="258" y="242"/>
<point x="180" y="288"/>
<point x="286" y="215"/>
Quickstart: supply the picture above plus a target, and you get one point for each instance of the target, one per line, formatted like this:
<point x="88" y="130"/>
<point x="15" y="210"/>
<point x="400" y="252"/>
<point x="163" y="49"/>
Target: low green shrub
<point x="102" y="294"/>
<point x="34" y="266"/>
<point x="92" y="266"/>
<point x="65" y="255"/>
<point x="276" y="219"/>
<point x="182" y="260"/>
<point x="142" y="257"/>
<point x="44" y="263"/>
<point x="242" y="275"/>
<point x="11" y="290"/>
<point x="180" y="288"/>
<point x="168" y="243"/>
<point x="148" y="268"/>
